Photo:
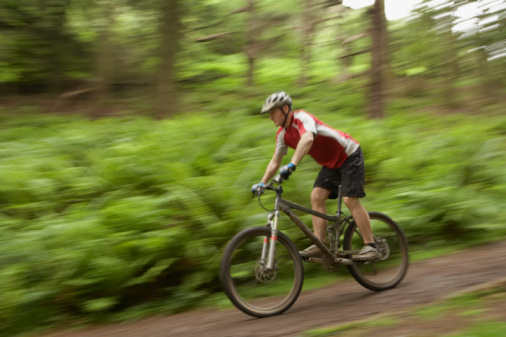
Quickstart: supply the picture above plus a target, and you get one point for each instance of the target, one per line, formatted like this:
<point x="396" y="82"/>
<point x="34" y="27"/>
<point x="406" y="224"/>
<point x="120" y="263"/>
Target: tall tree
<point x="349" y="38"/>
<point x="251" y="48"/>
<point x="104" y="61"/>
<point x="308" y="29"/>
<point x="315" y="13"/>
<point x="376" y="96"/>
<point x="169" y="35"/>
<point x="55" y="12"/>
<point x="449" y="59"/>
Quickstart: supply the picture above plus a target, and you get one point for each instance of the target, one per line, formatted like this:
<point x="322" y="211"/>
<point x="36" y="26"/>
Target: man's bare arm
<point x="303" y="147"/>
<point x="272" y="168"/>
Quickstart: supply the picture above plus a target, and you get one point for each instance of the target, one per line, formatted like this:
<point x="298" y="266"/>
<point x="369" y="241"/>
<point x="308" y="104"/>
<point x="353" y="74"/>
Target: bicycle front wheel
<point x="386" y="272"/>
<point x="249" y="284"/>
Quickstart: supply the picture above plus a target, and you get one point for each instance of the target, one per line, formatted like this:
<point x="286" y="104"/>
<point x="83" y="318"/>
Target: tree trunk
<point x="104" y="59"/>
<point x="449" y="61"/>
<point x="308" y="27"/>
<point x="385" y="47"/>
<point x="169" y="33"/>
<point x="250" y="42"/>
<point x="341" y="39"/>
<point x="56" y="36"/>
<point x="376" y="85"/>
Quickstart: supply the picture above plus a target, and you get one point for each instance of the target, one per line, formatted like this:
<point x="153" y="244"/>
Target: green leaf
<point x="99" y="304"/>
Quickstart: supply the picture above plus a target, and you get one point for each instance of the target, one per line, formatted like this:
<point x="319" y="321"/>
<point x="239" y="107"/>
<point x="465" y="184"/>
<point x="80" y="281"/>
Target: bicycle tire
<point x="240" y="263"/>
<point x="385" y="273"/>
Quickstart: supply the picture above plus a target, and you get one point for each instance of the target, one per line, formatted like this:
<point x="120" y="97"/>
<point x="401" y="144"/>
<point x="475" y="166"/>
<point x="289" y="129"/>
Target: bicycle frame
<point x="269" y="251"/>
<point x="262" y="270"/>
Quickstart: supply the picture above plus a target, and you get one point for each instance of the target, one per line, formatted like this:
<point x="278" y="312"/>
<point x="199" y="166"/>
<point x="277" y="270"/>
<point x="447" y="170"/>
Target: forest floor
<point x="420" y="306"/>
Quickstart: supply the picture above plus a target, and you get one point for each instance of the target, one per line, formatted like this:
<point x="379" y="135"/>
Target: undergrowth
<point x="119" y="218"/>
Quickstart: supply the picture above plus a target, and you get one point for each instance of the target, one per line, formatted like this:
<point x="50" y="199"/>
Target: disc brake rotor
<point x="263" y="274"/>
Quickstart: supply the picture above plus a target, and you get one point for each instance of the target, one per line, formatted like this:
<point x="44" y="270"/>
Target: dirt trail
<point x="342" y="302"/>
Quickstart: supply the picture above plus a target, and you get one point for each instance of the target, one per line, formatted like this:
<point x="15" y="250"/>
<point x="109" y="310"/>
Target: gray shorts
<point x="351" y="176"/>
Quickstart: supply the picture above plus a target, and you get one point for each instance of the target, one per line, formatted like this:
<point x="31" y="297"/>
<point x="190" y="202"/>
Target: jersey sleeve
<point x="305" y="123"/>
<point x="281" y="147"/>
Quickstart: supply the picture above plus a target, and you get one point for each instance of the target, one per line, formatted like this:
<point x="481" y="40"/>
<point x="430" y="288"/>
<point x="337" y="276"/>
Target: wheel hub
<point x="263" y="274"/>
<point x="383" y="248"/>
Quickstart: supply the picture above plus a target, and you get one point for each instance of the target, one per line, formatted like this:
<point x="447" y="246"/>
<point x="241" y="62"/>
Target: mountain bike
<point x="262" y="271"/>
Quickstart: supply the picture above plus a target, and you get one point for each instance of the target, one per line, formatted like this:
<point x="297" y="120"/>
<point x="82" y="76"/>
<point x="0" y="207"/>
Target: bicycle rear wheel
<point x="386" y="272"/>
<point x="248" y="283"/>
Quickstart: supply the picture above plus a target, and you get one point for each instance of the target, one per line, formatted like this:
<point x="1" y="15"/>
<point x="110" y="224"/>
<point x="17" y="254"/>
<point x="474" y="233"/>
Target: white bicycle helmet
<point x="277" y="100"/>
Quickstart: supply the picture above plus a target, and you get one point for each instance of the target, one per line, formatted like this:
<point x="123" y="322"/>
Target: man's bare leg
<point x="318" y="197"/>
<point x="361" y="217"/>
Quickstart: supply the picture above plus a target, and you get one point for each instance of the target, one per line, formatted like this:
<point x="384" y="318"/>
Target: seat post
<point x="339" y="201"/>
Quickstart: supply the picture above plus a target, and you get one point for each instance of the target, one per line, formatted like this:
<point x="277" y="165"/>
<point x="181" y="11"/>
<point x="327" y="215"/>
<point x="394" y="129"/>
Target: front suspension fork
<point x="269" y="246"/>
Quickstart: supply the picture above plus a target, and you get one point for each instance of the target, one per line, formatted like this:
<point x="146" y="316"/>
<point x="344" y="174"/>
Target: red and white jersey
<point x="330" y="147"/>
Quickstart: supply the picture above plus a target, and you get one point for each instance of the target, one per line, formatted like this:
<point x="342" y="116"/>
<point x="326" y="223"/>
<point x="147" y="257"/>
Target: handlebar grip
<point x="277" y="179"/>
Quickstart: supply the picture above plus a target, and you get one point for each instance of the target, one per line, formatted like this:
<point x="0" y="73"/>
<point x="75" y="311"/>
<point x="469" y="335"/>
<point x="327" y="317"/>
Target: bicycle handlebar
<point x="276" y="180"/>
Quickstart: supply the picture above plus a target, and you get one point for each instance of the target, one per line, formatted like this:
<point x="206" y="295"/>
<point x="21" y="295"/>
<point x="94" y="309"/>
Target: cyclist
<point x="338" y="153"/>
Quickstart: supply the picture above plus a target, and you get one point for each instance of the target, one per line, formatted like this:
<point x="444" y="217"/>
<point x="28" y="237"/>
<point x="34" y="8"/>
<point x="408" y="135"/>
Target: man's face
<point x="277" y="116"/>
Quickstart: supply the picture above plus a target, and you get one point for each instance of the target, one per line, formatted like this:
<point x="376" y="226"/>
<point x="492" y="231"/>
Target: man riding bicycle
<point x="338" y="153"/>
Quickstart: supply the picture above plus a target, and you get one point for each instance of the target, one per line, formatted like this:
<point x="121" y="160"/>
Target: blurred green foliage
<point x="120" y="217"/>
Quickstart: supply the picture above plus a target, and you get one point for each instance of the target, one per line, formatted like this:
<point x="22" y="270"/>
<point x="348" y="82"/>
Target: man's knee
<point x="318" y="196"/>
<point x="351" y="202"/>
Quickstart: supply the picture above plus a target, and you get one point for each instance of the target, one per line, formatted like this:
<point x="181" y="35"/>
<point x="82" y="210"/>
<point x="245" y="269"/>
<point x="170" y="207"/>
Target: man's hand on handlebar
<point x="286" y="170"/>
<point x="258" y="189"/>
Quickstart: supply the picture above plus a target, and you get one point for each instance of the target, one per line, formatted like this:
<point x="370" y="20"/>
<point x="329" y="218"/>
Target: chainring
<point x="329" y="264"/>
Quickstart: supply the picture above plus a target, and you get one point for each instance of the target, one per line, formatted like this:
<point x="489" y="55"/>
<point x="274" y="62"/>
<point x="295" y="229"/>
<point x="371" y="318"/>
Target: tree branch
<point x="240" y="10"/>
<point x="356" y="53"/>
<point x="213" y="37"/>
<point x="355" y="38"/>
